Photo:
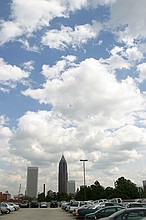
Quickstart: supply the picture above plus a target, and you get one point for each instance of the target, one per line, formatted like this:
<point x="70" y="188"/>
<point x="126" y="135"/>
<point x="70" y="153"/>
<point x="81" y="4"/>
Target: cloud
<point x="11" y="74"/>
<point x="60" y="135"/>
<point x="27" y="17"/>
<point x="128" y="24"/>
<point x="5" y="135"/>
<point x="9" y="31"/>
<point x="86" y="95"/>
<point x="111" y="102"/>
<point x="61" y="39"/>
<point x="142" y="72"/>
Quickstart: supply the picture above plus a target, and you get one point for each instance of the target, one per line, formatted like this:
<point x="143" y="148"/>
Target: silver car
<point x="6" y="208"/>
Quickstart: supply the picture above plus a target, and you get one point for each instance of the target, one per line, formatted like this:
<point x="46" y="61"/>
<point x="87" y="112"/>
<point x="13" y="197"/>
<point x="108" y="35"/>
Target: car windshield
<point x="74" y="204"/>
<point x="117" y="213"/>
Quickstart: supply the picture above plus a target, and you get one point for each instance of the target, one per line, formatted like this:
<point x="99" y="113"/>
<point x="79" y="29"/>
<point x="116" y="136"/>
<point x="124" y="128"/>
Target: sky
<point x="72" y="82"/>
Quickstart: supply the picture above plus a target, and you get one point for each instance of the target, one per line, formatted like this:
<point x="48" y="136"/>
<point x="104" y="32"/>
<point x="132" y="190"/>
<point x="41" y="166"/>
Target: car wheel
<point x="8" y="211"/>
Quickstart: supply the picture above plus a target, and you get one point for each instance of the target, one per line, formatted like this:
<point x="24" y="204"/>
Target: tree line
<point x="123" y="188"/>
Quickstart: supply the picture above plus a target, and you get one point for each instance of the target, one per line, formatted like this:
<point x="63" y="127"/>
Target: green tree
<point x="109" y="193"/>
<point x="97" y="191"/>
<point x="126" y="189"/>
<point x="41" y="197"/>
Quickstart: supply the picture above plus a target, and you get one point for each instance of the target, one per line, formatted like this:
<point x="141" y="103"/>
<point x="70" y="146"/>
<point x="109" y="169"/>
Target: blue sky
<point x="72" y="80"/>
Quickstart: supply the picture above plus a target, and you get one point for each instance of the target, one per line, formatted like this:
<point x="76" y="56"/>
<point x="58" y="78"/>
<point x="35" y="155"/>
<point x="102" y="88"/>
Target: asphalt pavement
<point x="38" y="214"/>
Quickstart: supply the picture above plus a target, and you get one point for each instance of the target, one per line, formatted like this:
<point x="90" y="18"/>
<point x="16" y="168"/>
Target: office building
<point x="62" y="176"/>
<point x="32" y="182"/>
<point x="71" y="187"/>
<point x="144" y="185"/>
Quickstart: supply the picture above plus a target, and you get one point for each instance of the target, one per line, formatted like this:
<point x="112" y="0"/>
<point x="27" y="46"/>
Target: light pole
<point x="84" y="177"/>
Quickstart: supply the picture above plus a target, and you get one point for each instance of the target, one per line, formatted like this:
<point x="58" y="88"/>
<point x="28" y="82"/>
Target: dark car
<point x="103" y="212"/>
<point x="127" y="214"/>
<point x="54" y="204"/>
<point x="34" y="204"/>
<point x="24" y="204"/>
<point x="136" y="204"/>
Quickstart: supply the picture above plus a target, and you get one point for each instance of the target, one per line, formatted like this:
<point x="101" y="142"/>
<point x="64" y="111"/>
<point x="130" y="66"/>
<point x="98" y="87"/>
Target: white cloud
<point x="134" y="54"/>
<point x="27" y="17"/>
<point x="60" y="39"/>
<point x="56" y="70"/>
<point x="9" y="31"/>
<point x="5" y="135"/>
<point x="131" y="22"/>
<point x="121" y="57"/>
<point x="60" y="135"/>
<point x="142" y="71"/>
<point x="11" y="74"/>
<point x="28" y="65"/>
<point x="111" y="102"/>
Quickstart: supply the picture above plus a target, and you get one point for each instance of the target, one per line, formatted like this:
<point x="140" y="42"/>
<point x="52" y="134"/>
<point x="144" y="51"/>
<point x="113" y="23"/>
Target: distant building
<point x="32" y="182"/>
<point x="5" y="196"/>
<point x="144" y="185"/>
<point x="71" y="187"/>
<point x="62" y="176"/>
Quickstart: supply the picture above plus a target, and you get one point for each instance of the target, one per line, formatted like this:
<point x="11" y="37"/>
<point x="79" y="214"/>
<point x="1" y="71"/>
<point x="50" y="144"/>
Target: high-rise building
<point x="32" y="182"/>
<point x="71" y="187"/>
<point x="62" y="176"/>
<point x="144" y="185"/>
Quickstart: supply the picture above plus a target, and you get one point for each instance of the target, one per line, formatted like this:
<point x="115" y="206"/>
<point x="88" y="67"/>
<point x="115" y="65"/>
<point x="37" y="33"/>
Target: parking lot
<point x="37" y="214"/>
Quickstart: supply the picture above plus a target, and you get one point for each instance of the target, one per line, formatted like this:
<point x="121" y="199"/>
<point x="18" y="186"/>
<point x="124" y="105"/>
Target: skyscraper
<point x="62" y="176"/>
<point x="32" y="182"/>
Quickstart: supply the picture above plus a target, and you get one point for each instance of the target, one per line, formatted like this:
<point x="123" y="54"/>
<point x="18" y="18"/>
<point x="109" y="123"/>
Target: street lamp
<point x="84" y="177"/>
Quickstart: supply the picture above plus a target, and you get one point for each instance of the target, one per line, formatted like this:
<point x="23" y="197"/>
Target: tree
<point x="126" y="189"/>
<point x="41" y="197"/>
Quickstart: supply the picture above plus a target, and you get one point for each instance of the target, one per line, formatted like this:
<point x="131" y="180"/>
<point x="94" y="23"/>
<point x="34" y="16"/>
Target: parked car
<point x="75" y="211"/>
<point x="3" y="208"/>
<point x="127" y="214"/>
<point x="75" y="204"/>
<point x="116" y="200"/>
<point x="54" y="204"/>
<point x="34" y="204"/>
<point x="103" y="212"/>
<point x="16" y="206"/>
<point x="135" y="204"/>
<point x="43" y="204"/>
<point x="24" y="204"/>
<point x="64" y="205"/>
<point x="81" y="212"/>
<point x="9" y="207"/>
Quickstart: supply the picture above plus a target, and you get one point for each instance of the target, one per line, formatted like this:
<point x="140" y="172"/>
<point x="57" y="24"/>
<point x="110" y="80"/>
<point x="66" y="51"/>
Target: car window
<point x="119" y="208"/>
<point x="110" y="210"/>
<point x="133" y="215"/>
<point x="74" y="204"/>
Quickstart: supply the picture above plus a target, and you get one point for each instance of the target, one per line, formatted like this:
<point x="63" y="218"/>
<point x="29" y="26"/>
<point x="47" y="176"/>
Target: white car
<point x="10" y="208"/>
<point x="16" y="206"/>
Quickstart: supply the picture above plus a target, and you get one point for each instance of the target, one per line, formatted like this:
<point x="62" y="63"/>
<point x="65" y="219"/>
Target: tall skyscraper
<point x="62" y="176"/>
<point x="32" y="182"/>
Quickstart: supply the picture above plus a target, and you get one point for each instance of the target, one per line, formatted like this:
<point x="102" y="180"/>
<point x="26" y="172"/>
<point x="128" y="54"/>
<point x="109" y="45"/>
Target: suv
<point x="24" y="204"/>
<point x="53" y="204"/>
<point x="34" y="204"/>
